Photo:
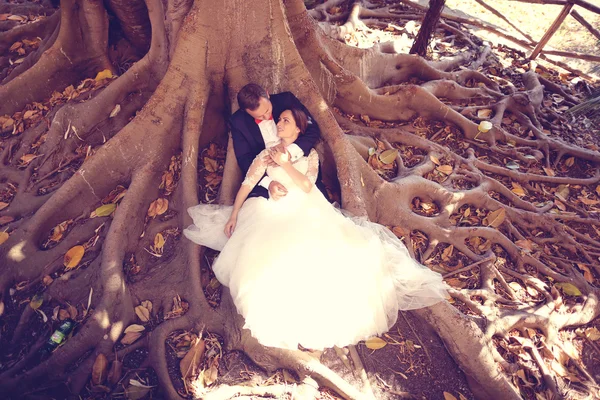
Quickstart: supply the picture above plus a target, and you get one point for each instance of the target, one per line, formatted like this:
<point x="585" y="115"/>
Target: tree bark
<point x="428" y="26"/>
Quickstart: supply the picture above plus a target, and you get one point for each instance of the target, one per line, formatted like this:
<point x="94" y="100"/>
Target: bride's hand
<point x="230" y="225"/>
<point x="279" y="156"/>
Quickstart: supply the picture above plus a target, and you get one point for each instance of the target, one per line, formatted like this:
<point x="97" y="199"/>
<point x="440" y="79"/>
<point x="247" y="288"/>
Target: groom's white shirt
<point x="268" y="130"/>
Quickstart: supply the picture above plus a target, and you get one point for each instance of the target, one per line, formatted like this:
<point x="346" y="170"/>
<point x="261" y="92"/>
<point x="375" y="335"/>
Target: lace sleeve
<point x="313" y="166"/>
<point x="257" y="170"/>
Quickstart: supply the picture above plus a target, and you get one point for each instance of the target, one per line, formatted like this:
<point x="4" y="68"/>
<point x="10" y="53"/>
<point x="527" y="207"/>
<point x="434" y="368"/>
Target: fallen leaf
<point x="114" y="375"/>
<point x="562" y="192"/>
<point x="47" y="280"/>
<point x="570" y="161"/>
<point x="73" y="257"/>
<point x="447" y="253"/>
<point x="104" y="210"/>
<point x="496" y="218"/>
<point x="147" y="304"/>
<point x="6" y="219"/>
<point x="3" y="237"/>
<point x="569" y="289"/>
<point x="136" y="392"/>
<point x="134" y="328"/>
<point x="36" y="302"/>
<point x="592" y="333"/>
<point x="131" y="337"/>
<point x="211" y="375"/>
<point x="549" y="171"/>
<point x="518" y="189"/>
<point x="448" y="396"/>
<point x="99" y="370"/>
<point x="115" y="111"/>
<point x="105" y="74"/>
<point x="484" y="113"/>
<point x="375" y="343"/>
<point x="63" y="314"/>
<point x="190" y="364"/>
<point x="3" y="205"/>
<point x="525" y="244"/>
<point x="27" y="158"/>
<point x="445" y="169"/>
<point x="512" y="165"/>
<point x="158" y="207"/>
<point x="159" y="241"/>
<point x="142" y="313"/>
<point x="435" y="160"/>
<point x="587" y="273"/>
<point x="210" y="164"/>
<point x="388" y="156"/>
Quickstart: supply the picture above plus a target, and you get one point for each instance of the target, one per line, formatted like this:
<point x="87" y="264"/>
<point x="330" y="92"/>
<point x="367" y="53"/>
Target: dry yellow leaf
<point x="592" y="333"/>
<point x="103" y="75"/>
<point x="496" y="218"/>
<point x="447" y="253"/>
<point x="484" y="113"/>
<point x="388" y="156"/>
<point x="158" y="207"/>
<point x="210" y="164"/>
<point x="518" y="189"/>
<point x="375" y="343"/>
<point x="448" y="396"/>
<point x="549" y="171"/>
<point x="3" y="205"/>
<point x="142" y="313"/>
<point x="130" y="337"/>
<point x="435" y="160"/>
<point x="134" y="328"/>
<point x="147" y="304"/>
<point x="27" y="158"/>
<point x="159" y="241"/>
<point x="73" y="257"/>
<point x="570" y="161"/>
<point x="3" y="237"/>
<point x="190" y="364"/>
<point x="445" y="169"/>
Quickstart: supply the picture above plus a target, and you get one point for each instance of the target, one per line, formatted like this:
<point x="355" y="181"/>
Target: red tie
<point x="258" y="121"/>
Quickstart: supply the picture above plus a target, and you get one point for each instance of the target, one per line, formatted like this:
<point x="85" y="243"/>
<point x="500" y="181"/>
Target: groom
<point x="253" y="128"/>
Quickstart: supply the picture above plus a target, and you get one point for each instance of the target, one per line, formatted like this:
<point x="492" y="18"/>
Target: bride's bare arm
<point x="255" y="172"/>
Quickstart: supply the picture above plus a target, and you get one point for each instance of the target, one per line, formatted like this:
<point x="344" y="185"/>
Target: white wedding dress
<point x="302" y="273"/>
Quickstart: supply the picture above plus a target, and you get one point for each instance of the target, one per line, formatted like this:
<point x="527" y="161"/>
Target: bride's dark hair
<point x="300" y="118"/>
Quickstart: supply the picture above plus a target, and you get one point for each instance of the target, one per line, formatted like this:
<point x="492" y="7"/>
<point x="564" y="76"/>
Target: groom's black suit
<point x="248" y="141"/>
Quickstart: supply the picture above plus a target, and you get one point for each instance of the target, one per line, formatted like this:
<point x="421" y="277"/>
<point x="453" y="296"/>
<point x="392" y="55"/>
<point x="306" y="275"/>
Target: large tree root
<point x="207" y="64"/>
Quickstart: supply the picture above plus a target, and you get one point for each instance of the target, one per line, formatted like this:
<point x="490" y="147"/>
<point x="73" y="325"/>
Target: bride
<point x="300" y="272"/>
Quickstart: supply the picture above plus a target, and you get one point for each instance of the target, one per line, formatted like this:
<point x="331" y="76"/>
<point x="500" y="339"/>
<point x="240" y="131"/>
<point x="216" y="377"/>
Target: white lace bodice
<point x="309" y="166"/>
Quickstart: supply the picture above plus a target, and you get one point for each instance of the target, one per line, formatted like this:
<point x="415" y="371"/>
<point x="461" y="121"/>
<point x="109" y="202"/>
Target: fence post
<point x="553" y="28"/>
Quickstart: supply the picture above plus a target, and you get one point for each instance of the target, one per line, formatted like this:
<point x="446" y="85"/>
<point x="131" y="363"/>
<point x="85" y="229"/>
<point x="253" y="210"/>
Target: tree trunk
<point x="131" y="143"/>
<point x="428" y="26"/>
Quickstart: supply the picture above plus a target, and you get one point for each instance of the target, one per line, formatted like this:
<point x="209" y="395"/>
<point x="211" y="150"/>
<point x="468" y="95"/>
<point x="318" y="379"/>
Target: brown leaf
<point x="73" y="257"/>
<point x="3" y="205"/>
<point x="549" y="171"/>
<point x="592" y="333"/>
<point x="445" y="169"/>
<point x="130" y="337"/>
<point x="99" y="370"/>
<point x="210" y="164"/>
<point x="447" y="253"/>
<point x="211" y="375"/>
<point x="518" y="189"/>
<point x="496" y="218"/>
<point x="525" y="244"/>
<point x="484" y="113"/>
<point x="134" y="328"/>
<point x="134" y="392"/>
<point x="142" y="313"/>
<point x="27" y="158"/>
<point x="448" y="396"/>
<point x="435" y="160"/>
<point x="147" y="304"/>
<point x="588" y="202"/>
<point x="6" y="219"/>
<point x="47" y="280"/>
<point x="63" y="314"/>
<point x="570" y="161"/>
<point x="158" y="207"/>
<point x="114" y="375"/>
<point x="190" y="364"/>
<point x="3" y="237"/>
<point x="587" y="274"/>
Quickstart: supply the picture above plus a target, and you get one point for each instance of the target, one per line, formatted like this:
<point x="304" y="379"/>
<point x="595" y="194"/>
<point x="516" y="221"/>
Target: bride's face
<point x="286" y="126"/>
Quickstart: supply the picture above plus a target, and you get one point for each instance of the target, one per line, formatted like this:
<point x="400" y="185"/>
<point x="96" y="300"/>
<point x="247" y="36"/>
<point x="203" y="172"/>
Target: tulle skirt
<point x="302" y="273"/>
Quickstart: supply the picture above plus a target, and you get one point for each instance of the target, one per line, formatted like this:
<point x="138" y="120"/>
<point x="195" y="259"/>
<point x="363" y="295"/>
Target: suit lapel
<point x="253" y="131"/>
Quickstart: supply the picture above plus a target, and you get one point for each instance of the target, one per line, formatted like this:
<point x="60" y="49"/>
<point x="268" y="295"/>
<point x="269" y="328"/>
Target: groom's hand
<point x="276" y="190"/>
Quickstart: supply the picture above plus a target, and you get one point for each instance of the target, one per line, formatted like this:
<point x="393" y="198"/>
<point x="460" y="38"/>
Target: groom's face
<point x="264" y="110"/>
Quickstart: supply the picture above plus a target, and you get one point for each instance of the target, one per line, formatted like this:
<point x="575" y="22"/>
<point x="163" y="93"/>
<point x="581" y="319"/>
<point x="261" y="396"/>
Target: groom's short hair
<point x="249" y="96"/>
